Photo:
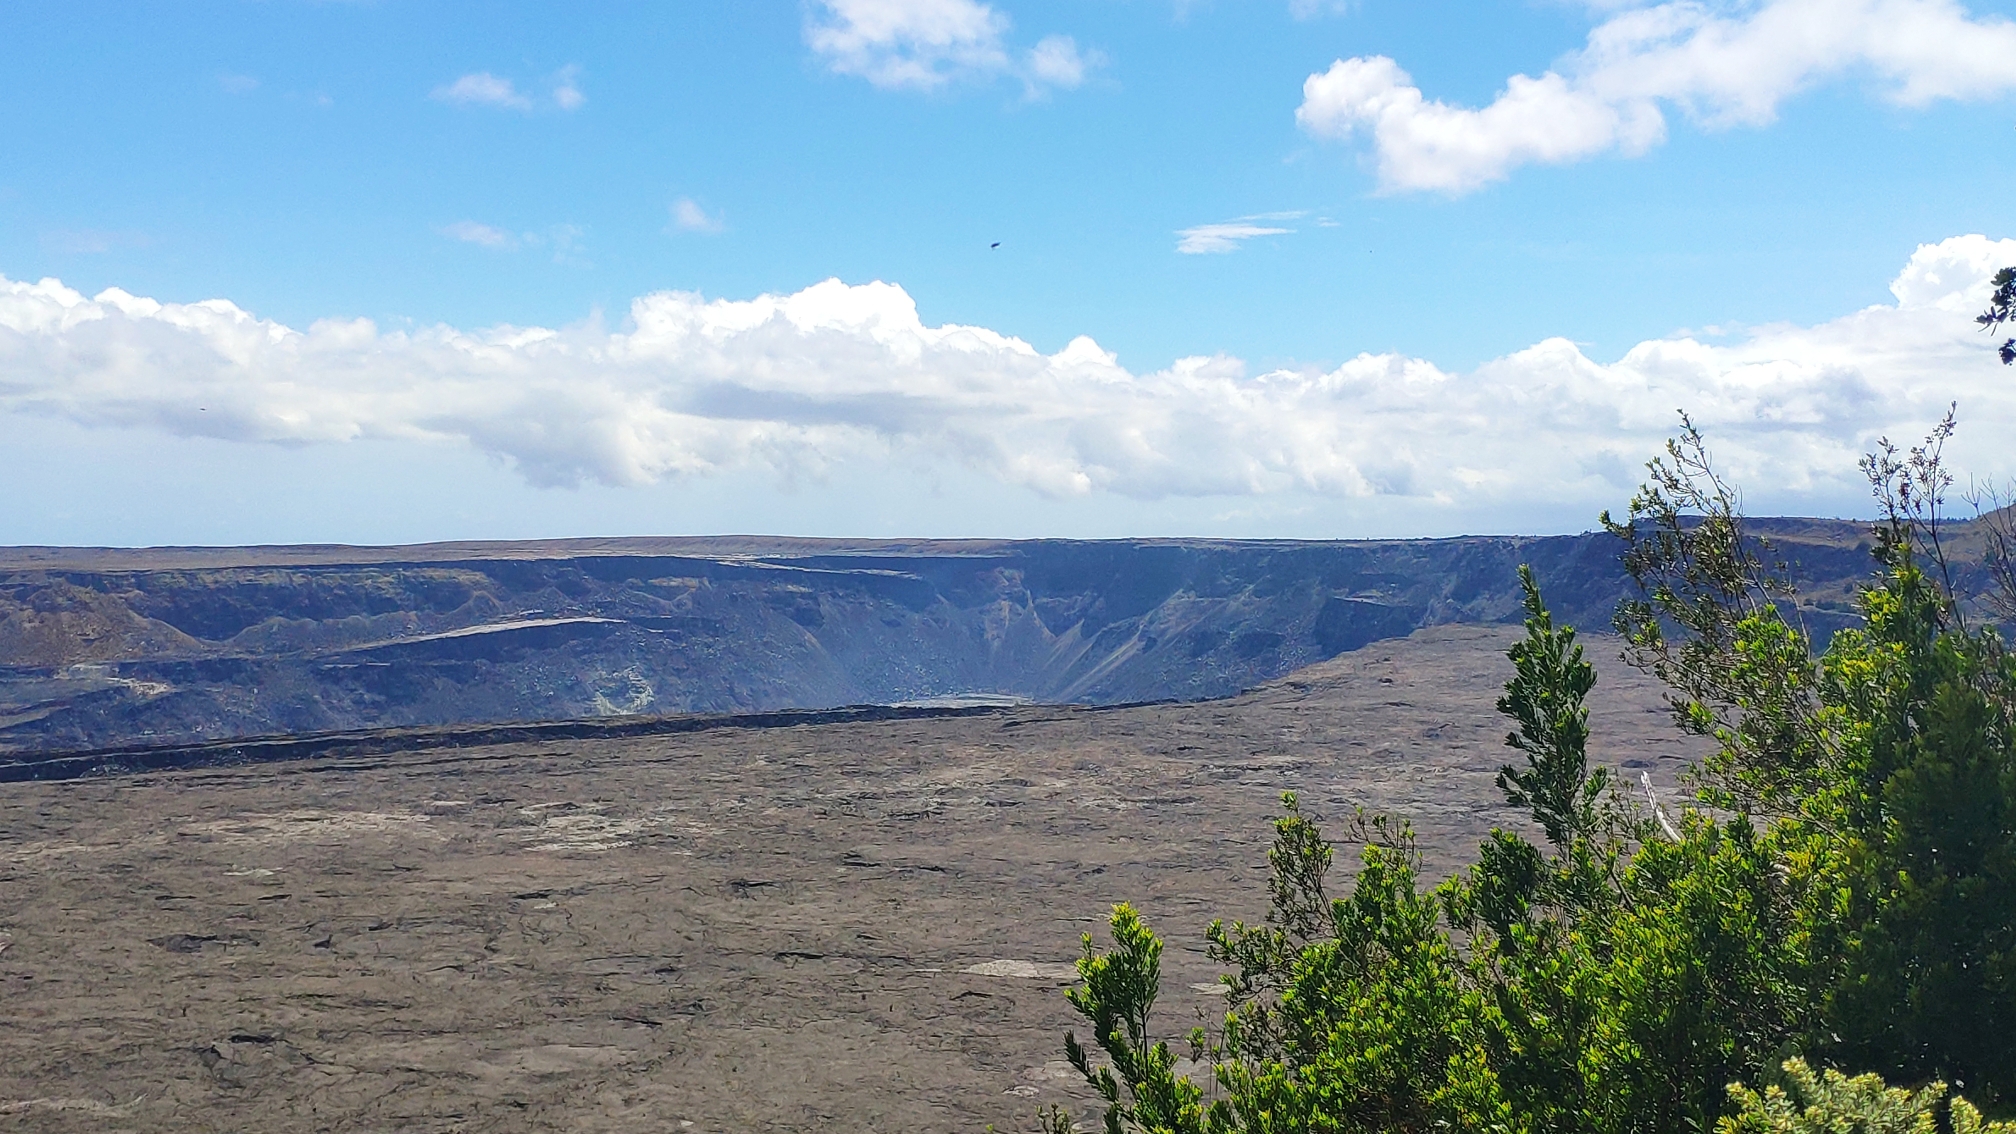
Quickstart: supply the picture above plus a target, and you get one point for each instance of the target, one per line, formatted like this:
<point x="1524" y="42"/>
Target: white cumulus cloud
<point x="1719" y="65"/>
<point x="921" y="44"/>
<point x="926" y="44"/>
<point x="838" y="375"/>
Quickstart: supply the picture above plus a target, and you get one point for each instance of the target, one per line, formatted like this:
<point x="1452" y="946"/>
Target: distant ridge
<point x="54" y="558"/>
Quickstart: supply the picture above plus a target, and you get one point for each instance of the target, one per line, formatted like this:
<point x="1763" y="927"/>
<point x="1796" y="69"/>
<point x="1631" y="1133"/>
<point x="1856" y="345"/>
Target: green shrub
<point x="1843" y="885"/>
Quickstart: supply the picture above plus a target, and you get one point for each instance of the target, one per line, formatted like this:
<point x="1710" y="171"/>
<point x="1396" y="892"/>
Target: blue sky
<point x="1756" y="210"/>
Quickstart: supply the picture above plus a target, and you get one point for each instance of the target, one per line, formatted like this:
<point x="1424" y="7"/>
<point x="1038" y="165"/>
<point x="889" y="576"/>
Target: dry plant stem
<point x="1910" y="492"/>
<point x="1703" y="589"/>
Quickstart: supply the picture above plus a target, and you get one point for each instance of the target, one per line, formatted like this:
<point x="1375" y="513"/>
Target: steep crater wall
<point x="102" y="649"/>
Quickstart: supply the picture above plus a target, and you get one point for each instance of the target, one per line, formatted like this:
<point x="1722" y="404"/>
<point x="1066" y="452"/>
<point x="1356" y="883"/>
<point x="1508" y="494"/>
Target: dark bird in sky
<point x="996" y="244"/>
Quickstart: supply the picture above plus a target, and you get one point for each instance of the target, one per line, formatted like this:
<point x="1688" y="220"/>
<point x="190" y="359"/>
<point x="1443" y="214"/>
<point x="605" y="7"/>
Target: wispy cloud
<point x="567" y="242"/>
<point x="924" y="45"/>
<point x="567" y="89"/>
<point x="237" y="84"/>
<point x="482" y="88"/>
<point x="1057" y="63"/>
<point x="1721" y="69"/>
<point x="688" y="216"/>
<point x="1227" y="236"/>
<point x="475" y="232"/>
<point x="93" y="241"/>
<point x="834" y="374"/>
<point x="1310" y="9"/>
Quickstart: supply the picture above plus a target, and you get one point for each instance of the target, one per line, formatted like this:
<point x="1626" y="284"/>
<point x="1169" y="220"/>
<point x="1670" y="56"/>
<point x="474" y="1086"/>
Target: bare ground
<point x="844" y="927"/>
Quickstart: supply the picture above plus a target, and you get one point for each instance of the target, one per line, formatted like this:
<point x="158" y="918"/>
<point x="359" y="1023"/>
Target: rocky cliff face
<point x="124" y="648"/>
